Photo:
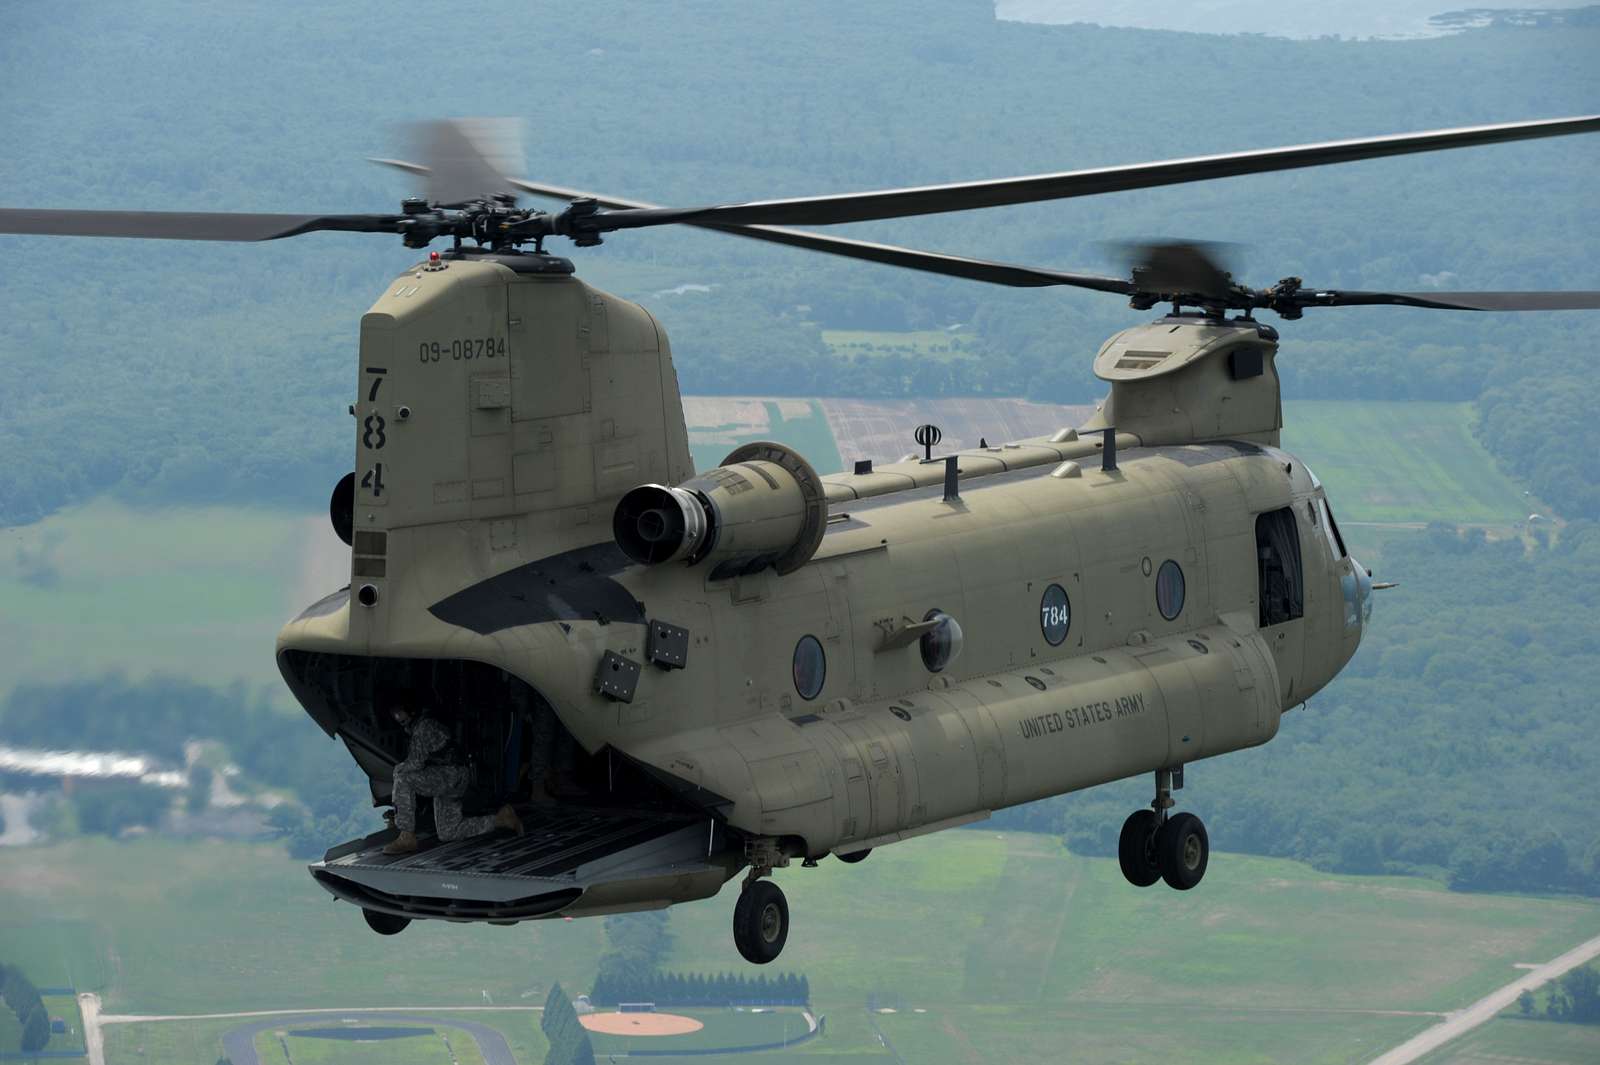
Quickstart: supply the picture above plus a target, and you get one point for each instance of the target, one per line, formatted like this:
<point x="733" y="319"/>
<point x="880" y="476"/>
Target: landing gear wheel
<point x="1136" y="848"/>
<point x="385" y="924"/>
<point x="854" y="856"/>
<point x="1182" y="850"/>
<point x="761" y="922"/>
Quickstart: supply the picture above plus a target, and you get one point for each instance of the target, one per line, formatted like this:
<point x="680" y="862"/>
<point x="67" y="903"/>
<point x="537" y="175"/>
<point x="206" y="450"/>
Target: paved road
<point x="1463" y="1021"/>
<point x="93" y="1039"/>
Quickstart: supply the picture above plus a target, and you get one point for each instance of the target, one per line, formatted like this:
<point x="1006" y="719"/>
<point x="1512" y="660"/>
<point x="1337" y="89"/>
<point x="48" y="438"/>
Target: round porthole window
<point x="941" y="644"/>
<point x="1169" y="589"/>
<point x="1055" y="614"/>
<point x="810" y="667"/>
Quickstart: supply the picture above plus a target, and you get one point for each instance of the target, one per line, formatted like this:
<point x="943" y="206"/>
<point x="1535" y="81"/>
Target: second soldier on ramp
<point x="433" y="767"/>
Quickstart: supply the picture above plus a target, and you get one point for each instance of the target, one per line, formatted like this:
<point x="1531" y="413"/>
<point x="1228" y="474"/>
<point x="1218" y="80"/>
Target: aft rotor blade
<point x="1455" y="301"/>
<point x="966" y="196"/>
<point x="188" y="225"/>
<point x="995" y="273"/>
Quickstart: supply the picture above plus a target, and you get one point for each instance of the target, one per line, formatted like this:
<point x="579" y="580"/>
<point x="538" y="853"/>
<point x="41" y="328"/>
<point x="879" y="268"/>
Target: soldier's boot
<point x="507" y="818"/>
<point x="404" y="843"/>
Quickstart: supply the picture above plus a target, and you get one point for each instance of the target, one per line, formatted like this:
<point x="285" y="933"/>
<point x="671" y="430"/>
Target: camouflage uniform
<point x="425" y="773"/>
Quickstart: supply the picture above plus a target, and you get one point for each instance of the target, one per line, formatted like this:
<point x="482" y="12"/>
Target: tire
<point x="1136" y="850"/>
<point x="854" y="856"/>
<point x="385" y="924"/>
<point x="761" y="922"/>
<point x="1183" y="849"/>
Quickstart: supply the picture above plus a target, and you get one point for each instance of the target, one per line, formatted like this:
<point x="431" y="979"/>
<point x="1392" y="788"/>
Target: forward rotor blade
<point x="1455" y="301"/>
<point x="995" y="273"/>
<point x="965" y="196"/>
<point x="466" y="158"/>
<point x="188" y="225"/>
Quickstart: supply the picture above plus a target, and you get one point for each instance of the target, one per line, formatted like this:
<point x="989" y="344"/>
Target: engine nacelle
<point x="764" y="506"/>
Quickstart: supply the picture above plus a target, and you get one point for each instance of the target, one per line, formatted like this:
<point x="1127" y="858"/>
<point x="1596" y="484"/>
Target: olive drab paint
<point x="505" y="407"/>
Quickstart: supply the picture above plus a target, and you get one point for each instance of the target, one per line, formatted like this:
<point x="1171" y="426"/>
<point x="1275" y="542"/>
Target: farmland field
<point x="1036" y="947"/>
<point x="1390" y="461"/>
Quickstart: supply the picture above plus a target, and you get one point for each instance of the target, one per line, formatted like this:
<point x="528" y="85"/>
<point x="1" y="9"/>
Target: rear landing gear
<point x="1157" y="846"/>
<point x="385" y="924"/>
<point x="760" y="922"/>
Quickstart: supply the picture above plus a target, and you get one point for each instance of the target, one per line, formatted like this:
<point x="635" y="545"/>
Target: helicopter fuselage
<point x="1060" y="620"/>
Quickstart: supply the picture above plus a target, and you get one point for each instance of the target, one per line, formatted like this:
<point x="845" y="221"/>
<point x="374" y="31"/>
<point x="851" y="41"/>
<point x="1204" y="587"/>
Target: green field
<point x="440" y="1047"/>
<point x="1402" y="462"/>
<point x="1515" y="1041"/>
<point x="1034" y="947"/>
<point x="1145" y="1032"/>
<point x="199" y="592"/>
<point x="200" y="1042"/>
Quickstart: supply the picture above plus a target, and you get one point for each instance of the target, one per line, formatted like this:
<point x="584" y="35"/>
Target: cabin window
<point x="1282" y="583"/>
<point x="1169" y="590"/>
<point x="810" y="667"/>
<point x="941" y="644"/>
<point x="1055" y="615"/>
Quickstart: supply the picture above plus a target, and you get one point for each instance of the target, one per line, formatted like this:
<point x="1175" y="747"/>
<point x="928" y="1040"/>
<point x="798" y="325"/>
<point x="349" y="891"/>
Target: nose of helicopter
<point x="1357" y="587"/>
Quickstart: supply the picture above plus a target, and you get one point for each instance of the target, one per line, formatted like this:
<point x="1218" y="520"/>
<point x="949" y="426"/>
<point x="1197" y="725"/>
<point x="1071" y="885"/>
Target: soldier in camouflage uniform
<point x="432" y="767"/>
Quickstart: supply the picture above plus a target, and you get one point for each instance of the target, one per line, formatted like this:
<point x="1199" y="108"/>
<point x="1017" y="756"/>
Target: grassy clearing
<point x="1133" y="1032"/>
<point x="925" y="343"/>
<point x="200" y="1042"/>
<point x="1403" y="462"/>
<point x="1513" y="1039"/>
<point x="54" y="953"/>
<point x="439" y="1047"/>
<point x="196" y="592"/>
<point x="184" y="929"/>
<point x="1006" y="937"/>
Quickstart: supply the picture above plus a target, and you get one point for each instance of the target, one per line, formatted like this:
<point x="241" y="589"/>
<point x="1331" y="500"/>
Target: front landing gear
<point x="1157" y="846"/>
<point x="761" y="922"/>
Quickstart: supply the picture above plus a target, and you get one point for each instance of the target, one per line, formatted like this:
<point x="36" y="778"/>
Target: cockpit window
<point x="1282" y="582"/>
<point x="1333" y="526"/>
<point x="1323" y="516"/>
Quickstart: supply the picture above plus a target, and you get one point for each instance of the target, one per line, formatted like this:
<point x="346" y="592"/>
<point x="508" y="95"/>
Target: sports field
<point x="1034" y="948"/>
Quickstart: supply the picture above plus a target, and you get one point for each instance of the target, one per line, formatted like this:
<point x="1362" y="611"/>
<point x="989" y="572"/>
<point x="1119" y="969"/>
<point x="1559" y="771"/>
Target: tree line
<point x="568" y="1038"/>
<point x="1574" y="998"/>
<point x="22" y="998"/>
<point x="699" y="989"/>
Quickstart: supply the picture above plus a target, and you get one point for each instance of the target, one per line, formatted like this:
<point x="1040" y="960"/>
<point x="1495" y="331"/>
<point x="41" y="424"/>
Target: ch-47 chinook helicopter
<point x="702" y="673"/>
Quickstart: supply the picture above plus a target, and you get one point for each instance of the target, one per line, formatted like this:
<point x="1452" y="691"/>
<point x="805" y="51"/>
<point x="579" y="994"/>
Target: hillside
<point x="203" y="373"/>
